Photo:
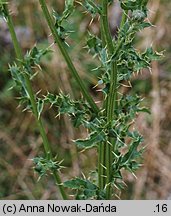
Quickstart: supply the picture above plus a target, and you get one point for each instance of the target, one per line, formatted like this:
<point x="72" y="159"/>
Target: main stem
<point x="46" y="143"/>
<point x="67" y="58"/>
<point x="110" y="102"/>
<point x="101" y="147"/>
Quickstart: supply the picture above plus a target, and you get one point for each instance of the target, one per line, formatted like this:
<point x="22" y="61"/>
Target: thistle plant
<point x="109" y="125"/>
<point x="22" y="73"/>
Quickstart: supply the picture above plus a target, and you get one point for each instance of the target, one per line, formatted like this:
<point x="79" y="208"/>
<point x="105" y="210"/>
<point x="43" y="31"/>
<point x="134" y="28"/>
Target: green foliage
<point x="93" y="139"/>
<point x="79" y="111"/>
<point x="128" y="60"/>
<point x="107" y="126"/>
<point x="94" y="44"/>
<point x="33" y="57"/>
<point x="85" y="189"/>
<point x="59" y="19"/>
<point x="134" y="5"/>
<point x="91" y="7"/>
<point x="3" y="13"/>
<point x="44" y="166"/>
<point x="27" y="67"/>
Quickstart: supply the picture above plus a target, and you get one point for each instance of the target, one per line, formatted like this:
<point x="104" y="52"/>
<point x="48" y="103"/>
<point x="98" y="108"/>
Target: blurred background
<point x="19" y="138"/>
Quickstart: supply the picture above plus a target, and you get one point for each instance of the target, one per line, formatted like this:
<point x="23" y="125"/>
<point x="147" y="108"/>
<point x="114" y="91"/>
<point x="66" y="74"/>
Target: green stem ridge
<point x="101" y="159"/>
<point x="111" y="98"/>
<point x="101" y="147"/>
<point x="105" y="27"/>
<point x="67" y="58"/>
<point x="46" y="143"/>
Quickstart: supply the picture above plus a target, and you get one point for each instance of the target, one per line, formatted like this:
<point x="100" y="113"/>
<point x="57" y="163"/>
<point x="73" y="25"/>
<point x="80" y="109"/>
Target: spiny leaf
<point x="94" y="44"/>
<point x="138" y="15"/>
<point x="85" y="189"/>
<point x="134" y="4"/>
<point x="16" y="74"/>
<point x="69" y="8"/>
<point x="92" y="141"/>
<point x="129" y="5"/>
<point x="59" y="19"/>
<point x="117" y="174"/>
<point x="132" y="153"/>
<point x="151" y="55"/>
<point x="91" y="7"/>
<point x="79" y="111"/>
<point x="79" y="183"/>
<point x="3" y="13"/>
<point x="44" y="165"/>
<point x="33" y="57"/>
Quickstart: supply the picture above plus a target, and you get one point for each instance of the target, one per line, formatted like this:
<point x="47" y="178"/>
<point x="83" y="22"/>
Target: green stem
<point x="60" y="185"/>
<point x="111" y="104"/>
<point x="123" y="20"/>
<point x="105" y="27"/>
<point x="101" y="147"/>
<point x="111" y="97"/>
<point x="101" y="159"/>
<point x="67" y="58"/>
<point x="20" y="57"/>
